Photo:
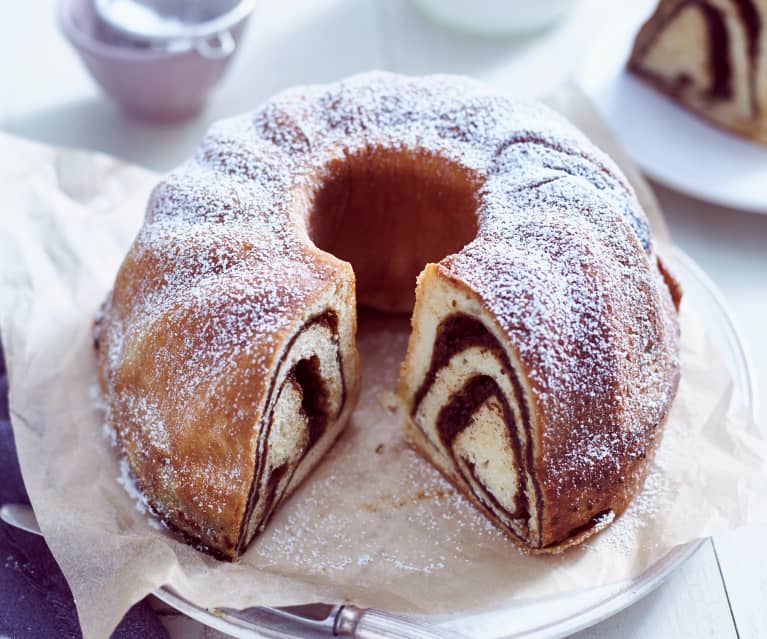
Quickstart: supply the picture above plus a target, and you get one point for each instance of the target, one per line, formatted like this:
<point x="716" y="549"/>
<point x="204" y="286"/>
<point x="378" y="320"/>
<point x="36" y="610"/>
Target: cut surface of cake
<point x="543" y="358"/>
<point x="710" y="56"/>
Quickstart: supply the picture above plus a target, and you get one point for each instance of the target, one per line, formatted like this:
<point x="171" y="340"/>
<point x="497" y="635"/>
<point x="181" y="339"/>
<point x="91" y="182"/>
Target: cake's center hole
<point x="315" y="396"/>
<point x="389" y="213"/>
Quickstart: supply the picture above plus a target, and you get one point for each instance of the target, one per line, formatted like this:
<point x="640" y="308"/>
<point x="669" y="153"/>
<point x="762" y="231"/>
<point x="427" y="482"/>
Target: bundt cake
<point x="709" y="55"/>
<point x="543" y="357"/>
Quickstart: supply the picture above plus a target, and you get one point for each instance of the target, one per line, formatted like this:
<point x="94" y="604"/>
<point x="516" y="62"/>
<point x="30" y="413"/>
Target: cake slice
<point x="551" y="458"/>
<point x="711" y="57"/>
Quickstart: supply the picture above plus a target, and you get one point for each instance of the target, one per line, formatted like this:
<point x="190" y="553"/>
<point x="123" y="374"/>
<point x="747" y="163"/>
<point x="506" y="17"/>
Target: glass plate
<point x="557" y="616"/>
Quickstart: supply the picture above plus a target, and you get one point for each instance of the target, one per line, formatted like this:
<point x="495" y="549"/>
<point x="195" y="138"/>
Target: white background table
<point x="46" y="95"/>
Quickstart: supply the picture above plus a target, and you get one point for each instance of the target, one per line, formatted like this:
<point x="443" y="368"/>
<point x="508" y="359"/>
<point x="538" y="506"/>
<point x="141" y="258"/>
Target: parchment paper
<point x="373" y="524"/>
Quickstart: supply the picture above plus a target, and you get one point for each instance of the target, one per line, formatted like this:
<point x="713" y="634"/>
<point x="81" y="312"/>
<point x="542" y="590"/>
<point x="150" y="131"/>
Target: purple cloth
<point x="35" y="600"/>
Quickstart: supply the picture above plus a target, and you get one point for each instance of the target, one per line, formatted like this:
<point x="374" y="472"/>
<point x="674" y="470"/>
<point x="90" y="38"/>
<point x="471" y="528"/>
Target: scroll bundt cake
<point x="543" y="358"/>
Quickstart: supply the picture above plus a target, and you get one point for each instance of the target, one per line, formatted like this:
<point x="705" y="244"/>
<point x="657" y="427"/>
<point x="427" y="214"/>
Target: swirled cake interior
<point x="467" y="405"/>
<point x="710" y="56"/>
<point x="471" y="408"/>
<point x="307" y="396"/>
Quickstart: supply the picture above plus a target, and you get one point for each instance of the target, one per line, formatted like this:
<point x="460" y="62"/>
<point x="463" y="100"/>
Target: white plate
<point x="673" y="146"/>
<point x="558" y="616"/>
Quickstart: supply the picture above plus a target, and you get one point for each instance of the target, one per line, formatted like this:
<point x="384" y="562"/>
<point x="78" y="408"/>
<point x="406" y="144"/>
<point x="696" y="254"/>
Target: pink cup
<point x="148" y="83"/>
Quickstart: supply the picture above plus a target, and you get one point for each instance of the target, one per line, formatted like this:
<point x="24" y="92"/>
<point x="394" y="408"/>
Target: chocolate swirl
<point x="457" y="333"/>
<point x="719" y="46"/>
<point x="305" y="376"/>
<point x="752" y="25"/>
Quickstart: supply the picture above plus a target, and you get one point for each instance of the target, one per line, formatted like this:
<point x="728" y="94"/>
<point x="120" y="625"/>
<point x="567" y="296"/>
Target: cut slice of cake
<point x="711" y="56"/>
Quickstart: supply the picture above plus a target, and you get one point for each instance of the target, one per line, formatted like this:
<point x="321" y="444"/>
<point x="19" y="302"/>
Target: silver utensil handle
<point x="216" y="47"/>
<point x="369" y="623"/>
<point x="20" y="516"/>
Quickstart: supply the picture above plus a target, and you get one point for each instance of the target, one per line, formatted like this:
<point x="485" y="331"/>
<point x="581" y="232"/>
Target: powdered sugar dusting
<point x="125" y="479"/>
<point x="215" y="279"/>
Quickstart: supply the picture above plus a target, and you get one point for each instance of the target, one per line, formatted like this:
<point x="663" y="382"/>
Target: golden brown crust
<point x="674" y="287"/>
<point x="226" y="349"/>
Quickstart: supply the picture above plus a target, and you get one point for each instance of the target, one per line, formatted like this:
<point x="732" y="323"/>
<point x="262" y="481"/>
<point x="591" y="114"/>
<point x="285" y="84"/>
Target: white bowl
<point x="495" y="17"/>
